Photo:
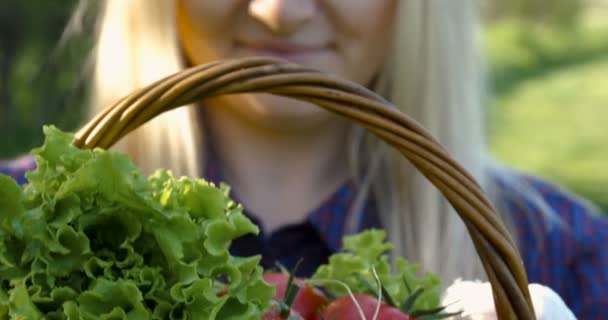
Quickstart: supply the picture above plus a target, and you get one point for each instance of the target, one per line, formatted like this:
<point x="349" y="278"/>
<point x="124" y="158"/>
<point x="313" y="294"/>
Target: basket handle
<point x="495" y="246"/>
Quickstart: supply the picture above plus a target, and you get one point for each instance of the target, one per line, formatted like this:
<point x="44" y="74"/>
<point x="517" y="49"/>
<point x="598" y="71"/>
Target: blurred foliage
<point x="555" y="13"/>
<point x="40" y="76"/>
<point x="553" y="125"/>
<point x="549" y="101"/>
<point x="517" y="51"/>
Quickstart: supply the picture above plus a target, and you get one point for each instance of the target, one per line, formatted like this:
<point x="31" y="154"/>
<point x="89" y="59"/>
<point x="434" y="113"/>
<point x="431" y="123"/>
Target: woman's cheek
<point x="204" y="28"/>
<point x="363" y="33"/>
<point x="212" y="16"/>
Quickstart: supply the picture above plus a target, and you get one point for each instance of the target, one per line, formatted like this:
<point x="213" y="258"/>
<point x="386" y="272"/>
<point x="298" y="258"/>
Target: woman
<point x="307" y="177"/>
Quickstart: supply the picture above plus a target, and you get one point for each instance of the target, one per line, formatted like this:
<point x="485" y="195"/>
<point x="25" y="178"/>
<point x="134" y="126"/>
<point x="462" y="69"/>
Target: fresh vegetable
<point x="308" y="300"/>
<point x="345" y="308"/>
<point x="361" y="272"/>
<point x="275" y="314"/>
<point x="89" y="237"/>
<point x="366" y="253"/>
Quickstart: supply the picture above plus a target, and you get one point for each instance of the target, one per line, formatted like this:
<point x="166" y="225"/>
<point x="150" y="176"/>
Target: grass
<point x="518" y="51"/>
<point x="551" y="104"/>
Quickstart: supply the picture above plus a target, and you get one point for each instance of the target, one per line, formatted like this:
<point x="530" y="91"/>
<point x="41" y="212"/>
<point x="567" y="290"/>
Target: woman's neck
<point x="279" y="175"/>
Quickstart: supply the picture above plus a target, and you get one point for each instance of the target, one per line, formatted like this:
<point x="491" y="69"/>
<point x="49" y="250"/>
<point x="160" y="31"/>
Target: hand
<point x="474" y="299"/>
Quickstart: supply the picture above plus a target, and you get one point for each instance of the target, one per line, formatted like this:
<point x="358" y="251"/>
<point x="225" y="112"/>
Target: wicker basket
<point x="494" y="244"/>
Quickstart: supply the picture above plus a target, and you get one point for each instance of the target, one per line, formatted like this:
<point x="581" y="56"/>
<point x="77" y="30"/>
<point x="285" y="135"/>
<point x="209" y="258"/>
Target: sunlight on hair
<point x="114" y="69"/>
<point x="137" y="46"/>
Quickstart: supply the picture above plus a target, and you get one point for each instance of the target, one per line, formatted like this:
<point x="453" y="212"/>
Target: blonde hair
<point x="136" y="46"/>
<point x="432" y="76"/>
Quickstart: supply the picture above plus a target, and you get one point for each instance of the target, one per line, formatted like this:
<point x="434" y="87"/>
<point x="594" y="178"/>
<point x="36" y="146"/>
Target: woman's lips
<point x="291" y="52"/>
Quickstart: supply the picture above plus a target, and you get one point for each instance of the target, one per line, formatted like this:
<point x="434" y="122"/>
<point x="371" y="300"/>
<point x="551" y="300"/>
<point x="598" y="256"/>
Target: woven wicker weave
<point x="494" y="244"/>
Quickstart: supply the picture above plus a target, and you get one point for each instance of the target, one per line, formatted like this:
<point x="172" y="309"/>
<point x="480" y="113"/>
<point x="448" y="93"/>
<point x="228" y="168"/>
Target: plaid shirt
<point x="571" y="258"/>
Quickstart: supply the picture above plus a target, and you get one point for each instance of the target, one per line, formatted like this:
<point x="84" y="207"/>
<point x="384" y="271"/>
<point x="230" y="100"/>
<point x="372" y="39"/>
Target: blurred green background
<point x="547" y="64"/>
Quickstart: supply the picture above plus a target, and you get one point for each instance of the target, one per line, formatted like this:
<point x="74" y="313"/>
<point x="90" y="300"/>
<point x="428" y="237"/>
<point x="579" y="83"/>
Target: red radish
<point x="345" y="308"/>
<point x="308" y="300"/>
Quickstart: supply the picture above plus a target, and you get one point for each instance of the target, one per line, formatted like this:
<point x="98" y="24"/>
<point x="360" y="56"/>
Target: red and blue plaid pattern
<point x="18" y="167"/>
<point x="571" y="256"/>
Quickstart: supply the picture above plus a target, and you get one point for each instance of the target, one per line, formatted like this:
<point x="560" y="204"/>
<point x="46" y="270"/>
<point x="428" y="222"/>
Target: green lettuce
<point x="366" y="252"/>
<point x="89" y="237"/>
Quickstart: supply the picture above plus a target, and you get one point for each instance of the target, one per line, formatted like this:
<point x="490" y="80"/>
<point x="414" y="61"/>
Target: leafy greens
<point x="367" y="251"/>
<point x="89" y="237"/>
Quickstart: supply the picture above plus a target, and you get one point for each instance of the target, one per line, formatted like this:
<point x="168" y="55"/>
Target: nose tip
<point x="282" y="16"/>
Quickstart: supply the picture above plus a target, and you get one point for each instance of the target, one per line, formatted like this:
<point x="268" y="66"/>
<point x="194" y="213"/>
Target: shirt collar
<point x="329" y="219"/>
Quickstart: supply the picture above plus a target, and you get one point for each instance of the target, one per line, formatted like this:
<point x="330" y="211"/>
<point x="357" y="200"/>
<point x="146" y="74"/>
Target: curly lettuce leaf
<point x="367" y="251"/>
<point x="89" y="237"/>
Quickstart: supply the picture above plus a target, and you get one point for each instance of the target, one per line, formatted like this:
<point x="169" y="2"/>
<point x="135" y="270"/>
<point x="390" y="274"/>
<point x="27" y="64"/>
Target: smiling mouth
<point x="291" y="52"/>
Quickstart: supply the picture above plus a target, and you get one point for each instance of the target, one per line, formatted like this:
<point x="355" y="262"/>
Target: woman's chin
<point x="282" y="113"/>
